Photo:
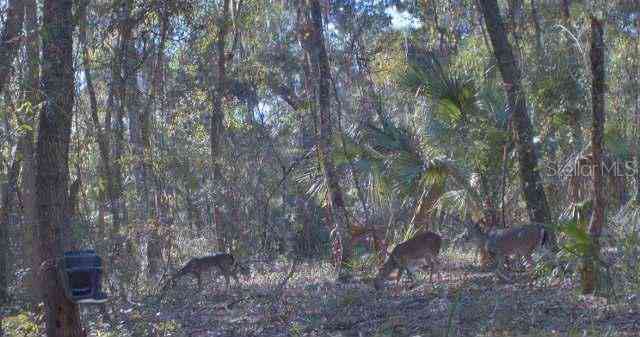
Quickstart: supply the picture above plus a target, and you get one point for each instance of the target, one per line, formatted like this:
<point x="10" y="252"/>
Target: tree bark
<point x="317" y="55"/>
<point x="573" y="110"/>
<point x="62" y="315"/>
<point x="120" y="74"/>
<point x="598" y="89"/>
<point x="539" y="36"/>
<point x="8" y="190"/>
<point x="636" y="79"/>
<point x="10" y="39"/>
<point x="528" y="160"/>
<point x="217" y="118"/>
<point x="102" y="137"/>
<point x="217" y="115"/>
<point x="31" y="91"/>
<point x="9" y="45"/>
<point x="154" y="247"/>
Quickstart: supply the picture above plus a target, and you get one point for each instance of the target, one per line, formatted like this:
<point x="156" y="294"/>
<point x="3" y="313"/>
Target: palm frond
<point x="454" y="96"/>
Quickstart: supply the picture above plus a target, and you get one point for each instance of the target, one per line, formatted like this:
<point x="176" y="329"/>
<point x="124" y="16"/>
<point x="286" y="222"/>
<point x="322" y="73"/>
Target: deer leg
<point x="226" y="279"/>
<point x="199" y="281"/>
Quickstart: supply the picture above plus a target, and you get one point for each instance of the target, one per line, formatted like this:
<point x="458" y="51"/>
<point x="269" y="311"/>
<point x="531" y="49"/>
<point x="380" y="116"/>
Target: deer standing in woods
<point x="225" y="263"/>
<point x="422" y="249"/>
<point x="517" y="242"/>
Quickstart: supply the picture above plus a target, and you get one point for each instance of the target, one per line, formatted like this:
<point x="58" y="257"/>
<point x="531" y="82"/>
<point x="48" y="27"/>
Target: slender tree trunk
<point x="154" y="248"/>
<point x="62" y="315"/>
<point x="10" y="39"/>
<point x="566" y="8"/>
<point x="102" y="137"/>
<point x="8" y="191"/>
<point x="119" y="73"/>
<point x="539" y="36"/>
<point x="315" y="48"/>
<point x="573" y="110"/>
<point x="134" y="111"/>
<point x="528" y="160"/>
<point x="590" y="265"/>
<point x="636" y="80"/>
<point x="217" y="116"/>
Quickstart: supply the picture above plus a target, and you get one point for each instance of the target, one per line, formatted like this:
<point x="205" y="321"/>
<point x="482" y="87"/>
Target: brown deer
<point x="422" y="249"/>
<point x="517" y="242"/>
<point x="225" y="263"/>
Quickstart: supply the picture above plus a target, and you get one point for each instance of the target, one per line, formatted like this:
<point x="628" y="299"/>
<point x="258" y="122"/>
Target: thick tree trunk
<point x="590" y="264"/>
<point x="315" y="48"/>
<point x="9" y="45"/>
<point x="528" y="160"/>
<point x="62" y="316"/>
<point x="10" y="39"/>
<point x="28" y="185"/>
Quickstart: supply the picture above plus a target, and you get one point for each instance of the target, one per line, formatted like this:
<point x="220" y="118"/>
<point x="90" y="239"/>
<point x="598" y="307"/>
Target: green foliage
<point x="22" y="324"/>
<point x="454" y="96"/>
<point x="578" y="241"/>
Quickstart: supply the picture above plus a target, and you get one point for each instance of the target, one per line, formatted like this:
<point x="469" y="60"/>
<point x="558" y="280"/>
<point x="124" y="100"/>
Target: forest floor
<point x="308" y="302"/>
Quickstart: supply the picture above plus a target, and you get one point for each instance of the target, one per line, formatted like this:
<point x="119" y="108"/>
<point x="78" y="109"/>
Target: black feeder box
<point x="82" y="276"/>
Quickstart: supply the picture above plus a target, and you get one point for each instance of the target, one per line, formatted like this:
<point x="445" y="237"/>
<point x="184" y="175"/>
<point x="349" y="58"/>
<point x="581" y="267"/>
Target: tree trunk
<point x="8" y="190"/>
<point x="573" y="110"/>
<point x="62" y="315"/>
<point x="566" y="8"/>
<point x="539" y="37"/>
<point x="528" y="160"/>
<point x="217" y="116"/>
<point x="10" y="39"/>
<point x="154" y="248"/>
<point x="590" y="264"/>
<point x="315" y="48"/>
<point x="9" y="45"/>
<point x="636" y="79"/>
<point x="102" y="137"/>
<point x="28" y="185"/>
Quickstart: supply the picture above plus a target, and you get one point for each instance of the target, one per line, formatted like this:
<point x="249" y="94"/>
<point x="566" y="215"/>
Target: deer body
<point x="515" y="242"/>
<point x="422" y="249"/>
<point x="225" y="263"/>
